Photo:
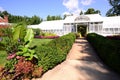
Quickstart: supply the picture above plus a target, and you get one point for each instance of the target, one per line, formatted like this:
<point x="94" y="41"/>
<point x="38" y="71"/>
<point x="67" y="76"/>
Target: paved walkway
<point x="81" y="64"/>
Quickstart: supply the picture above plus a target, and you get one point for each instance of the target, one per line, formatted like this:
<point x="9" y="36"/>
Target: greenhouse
<point x="93" y="23"/>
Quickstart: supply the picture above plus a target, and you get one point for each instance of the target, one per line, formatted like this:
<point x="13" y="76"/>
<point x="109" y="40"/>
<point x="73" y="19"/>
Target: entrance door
<point x="82" y="29"/>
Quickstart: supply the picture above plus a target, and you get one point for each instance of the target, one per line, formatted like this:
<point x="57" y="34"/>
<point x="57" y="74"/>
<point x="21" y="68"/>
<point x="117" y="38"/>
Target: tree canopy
<point x="50" y="18"/>
<point x="16" y="19"/>
<point x="92" y="11"/>
<point x="115" y="10"/>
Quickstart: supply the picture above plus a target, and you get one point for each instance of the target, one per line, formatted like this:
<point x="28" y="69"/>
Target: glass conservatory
<point x="93" y="23"/>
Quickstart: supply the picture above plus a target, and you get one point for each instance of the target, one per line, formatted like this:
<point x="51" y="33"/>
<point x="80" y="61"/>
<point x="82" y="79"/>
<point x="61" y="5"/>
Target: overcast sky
<point x="42" y="8"/>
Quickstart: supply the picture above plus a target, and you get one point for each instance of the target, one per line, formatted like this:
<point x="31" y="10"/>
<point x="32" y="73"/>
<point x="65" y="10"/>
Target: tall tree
<point x="81" y="13"/>
<point x="92" y="11"/>
<point x="64" y="16"/>
<point x="50" y="18"/>
<point x="35" y="20"/>
<point x="5" y="13"/>
<point x="2" y="14"/>
<point x="115" y="10"/>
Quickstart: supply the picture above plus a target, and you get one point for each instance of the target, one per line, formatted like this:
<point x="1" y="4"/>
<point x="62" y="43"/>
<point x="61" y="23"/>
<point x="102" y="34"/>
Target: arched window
<point x="82" y="18"/>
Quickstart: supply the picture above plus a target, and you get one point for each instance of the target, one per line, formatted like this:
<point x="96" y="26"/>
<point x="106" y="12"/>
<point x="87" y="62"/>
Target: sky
<point x="43" y="8"/>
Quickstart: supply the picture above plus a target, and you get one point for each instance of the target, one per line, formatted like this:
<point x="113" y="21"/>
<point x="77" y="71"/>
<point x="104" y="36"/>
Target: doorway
<point x="82" y="29"/>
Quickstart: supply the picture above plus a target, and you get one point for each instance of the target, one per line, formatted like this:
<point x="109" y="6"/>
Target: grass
<point x="37" y="42"/>
<point x="3" y="56"/>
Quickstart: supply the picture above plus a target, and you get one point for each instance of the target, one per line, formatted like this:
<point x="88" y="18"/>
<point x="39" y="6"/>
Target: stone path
<point x="81" y="64"/>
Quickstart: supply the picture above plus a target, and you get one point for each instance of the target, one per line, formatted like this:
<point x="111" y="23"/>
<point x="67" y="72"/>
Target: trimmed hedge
<point x="55" y="51"/>
<point x="107" y="49"/>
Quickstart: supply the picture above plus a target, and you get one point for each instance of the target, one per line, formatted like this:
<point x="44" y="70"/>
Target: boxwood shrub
<point x="55" y="51"/>
<point x="107" y="49"/>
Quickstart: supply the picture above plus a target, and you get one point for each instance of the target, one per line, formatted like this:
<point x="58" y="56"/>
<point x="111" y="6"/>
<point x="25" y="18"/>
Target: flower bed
<point x="117" y="37"/>
<point x="46" y="37"/>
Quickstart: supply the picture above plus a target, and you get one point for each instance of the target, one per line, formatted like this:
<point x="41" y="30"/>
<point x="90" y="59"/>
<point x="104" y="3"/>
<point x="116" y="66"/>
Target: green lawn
<point x="37" y="42"/>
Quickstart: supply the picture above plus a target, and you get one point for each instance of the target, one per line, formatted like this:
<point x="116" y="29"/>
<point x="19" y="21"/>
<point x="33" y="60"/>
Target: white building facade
<point x="94" y="24"/>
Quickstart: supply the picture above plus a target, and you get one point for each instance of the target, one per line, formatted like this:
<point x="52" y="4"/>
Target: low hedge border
<point x="55" y="51"/>
<point x="107" y="49"/>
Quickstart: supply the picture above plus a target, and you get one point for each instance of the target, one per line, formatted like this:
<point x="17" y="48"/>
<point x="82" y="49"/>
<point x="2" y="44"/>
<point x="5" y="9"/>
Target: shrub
<point x="37" y="32"/>
<point x="107" y="49"/>
<point x="49" y="34"/>
<point x="55" y="51"/>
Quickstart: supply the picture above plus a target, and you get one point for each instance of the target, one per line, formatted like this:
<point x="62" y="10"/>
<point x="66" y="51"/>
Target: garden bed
<point x="46" y="37"/>
<point x="27" y="57"/>
<point x="117" y="37"/>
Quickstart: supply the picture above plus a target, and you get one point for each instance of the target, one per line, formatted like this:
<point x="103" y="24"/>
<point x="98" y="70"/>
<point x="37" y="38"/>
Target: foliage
<point x="16" y="19"/>
<point x="24" y="67"/>
<point x="82" y="29"/>
<point x="39" y="42"/>
<point x="7" y="40"/>
<point x="92" y="11"/>
<point x="55" y="51"/>
<point x="3" y="56"/>
<point x="37" y="32"/>
<point x="27" y="53"/>
<point x="37" y="72"/>
<point x="47" y="35"/>
<point x="81" y="13"/>
<point x="10" y="64"/>
<point x="115" y="10"/>
<point x="50" y="18"/>
<point x="77" y="35"/>
<point x="21" y="56"/>
<point x="7" y="31"/>
<point x="1" y="29"/>
<point x="108" y="50"/>
<point x="19" y="32"/>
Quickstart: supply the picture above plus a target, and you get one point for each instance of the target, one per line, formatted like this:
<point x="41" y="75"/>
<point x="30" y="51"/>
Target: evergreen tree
<point x="81" y="13"/>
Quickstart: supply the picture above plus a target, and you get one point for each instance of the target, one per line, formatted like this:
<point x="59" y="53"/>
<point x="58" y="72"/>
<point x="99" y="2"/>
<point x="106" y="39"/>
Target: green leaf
<point x="35" y="56"/>
<point x="31" y="51"/>
<point x="26" y="54"/>
<point x="19" y="53"/>
<point x="29" y="36"/>
<point x="19" y="32"/>
<point x="25" y="50"/>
